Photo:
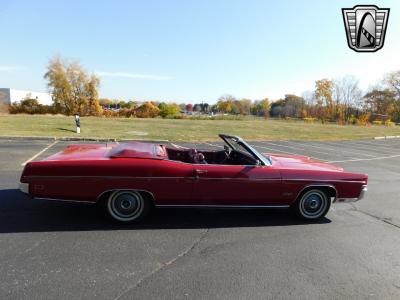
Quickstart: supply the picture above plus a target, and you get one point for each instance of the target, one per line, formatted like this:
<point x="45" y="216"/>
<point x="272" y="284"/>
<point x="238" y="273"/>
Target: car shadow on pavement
<point x="19" y="213"/>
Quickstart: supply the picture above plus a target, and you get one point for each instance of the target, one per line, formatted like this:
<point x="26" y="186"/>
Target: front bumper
<point x="24" y="187"/>
<point x="363" y="192"/>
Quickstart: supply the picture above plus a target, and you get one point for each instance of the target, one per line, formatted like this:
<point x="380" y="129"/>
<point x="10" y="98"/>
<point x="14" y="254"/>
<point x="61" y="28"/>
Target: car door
<point x="171" y="182"/>
<point x="240" y="185"/>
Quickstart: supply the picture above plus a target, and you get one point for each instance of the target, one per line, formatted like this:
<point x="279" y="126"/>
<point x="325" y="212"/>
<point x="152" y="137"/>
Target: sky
<point x="191" y="51"/>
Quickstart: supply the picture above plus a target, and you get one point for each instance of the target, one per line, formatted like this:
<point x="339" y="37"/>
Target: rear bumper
<point x="24" y="187"/>
<point x="363" y="192"/>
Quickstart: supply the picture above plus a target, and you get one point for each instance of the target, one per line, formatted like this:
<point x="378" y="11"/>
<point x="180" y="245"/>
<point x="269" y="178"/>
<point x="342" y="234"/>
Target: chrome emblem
<point x="365" y="27"/>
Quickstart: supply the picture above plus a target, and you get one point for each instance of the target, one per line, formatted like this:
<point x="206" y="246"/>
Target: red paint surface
<point x="84" y="172"/>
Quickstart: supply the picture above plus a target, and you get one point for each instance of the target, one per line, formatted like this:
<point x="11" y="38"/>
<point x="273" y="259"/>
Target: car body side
<point x="175" y="183"/>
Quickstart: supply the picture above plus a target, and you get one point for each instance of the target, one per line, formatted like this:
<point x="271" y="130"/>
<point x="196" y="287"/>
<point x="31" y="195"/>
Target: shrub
<point x="147" y="110"/>
<point x="31" y="106"/>
<point x="389" y="123"/>
<point x="110" y="113"/>
<point x="4" y="108"/>
<point x="363" y="120"/>
<point x="309" y="120"/>
<point x="169" y="110"/>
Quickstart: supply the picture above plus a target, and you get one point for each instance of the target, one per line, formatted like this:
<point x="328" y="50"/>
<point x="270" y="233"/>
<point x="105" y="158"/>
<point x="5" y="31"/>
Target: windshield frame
<point x="231" y="141"/>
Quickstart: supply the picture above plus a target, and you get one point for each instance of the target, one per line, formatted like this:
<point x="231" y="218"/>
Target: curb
<point x="386" y="137"/>
<point x="54" y="138"/>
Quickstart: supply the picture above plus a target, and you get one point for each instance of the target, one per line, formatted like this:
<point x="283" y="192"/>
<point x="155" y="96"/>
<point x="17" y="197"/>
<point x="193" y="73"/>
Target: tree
<point x="244" y="106"/>
<point x="168" y="110"/>
<point x="225" y="104"/>
<point x="261" y="108"/>
<point x="92" y="95"/>
<point x="381" y="103"/>
<point x="189" y="107"/>
<point x="324" y="96"/>
<point x="393" y="81"/>
<point x="347" y="96"/>
<point x="73" y="89"/>
<point x="147" y="110"/>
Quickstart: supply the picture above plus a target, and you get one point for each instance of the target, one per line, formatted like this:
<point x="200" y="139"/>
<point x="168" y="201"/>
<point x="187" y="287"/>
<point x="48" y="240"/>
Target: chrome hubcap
<point x="313" y="204"/>
<point x="126" y="205"/>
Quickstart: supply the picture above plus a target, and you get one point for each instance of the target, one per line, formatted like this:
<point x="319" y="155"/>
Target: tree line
<point x="76" y="91"/>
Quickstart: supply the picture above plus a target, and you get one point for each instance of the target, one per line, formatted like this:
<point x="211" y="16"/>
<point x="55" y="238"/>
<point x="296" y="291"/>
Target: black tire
<point x="126" y="206"/>
<point x="312" y="205"/>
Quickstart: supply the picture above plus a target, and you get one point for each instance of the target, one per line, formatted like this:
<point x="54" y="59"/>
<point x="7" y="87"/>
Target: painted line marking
<point x="388" y="146"/>
<point x="365" y="159"/>
<point x="178" y="146"/>
<point x="333" y="149"/>
<point x="291" y="153"/>
<point x="213" y="145"/>
<point x="305" y="149"/>
<point x="358" y="147"/>
<point x="291" y="147"/>
<point x="39" y="153"/>
<point x="363" y="147"/>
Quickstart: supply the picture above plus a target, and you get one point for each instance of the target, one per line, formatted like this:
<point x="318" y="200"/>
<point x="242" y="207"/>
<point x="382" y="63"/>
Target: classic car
<point x="132" y="178"/>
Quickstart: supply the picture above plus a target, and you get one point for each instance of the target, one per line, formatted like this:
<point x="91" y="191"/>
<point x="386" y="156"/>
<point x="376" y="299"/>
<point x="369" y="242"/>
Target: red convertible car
<point x="132" y="178"/>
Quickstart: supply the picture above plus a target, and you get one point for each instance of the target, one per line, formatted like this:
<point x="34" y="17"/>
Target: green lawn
<point x="184" y="130"/>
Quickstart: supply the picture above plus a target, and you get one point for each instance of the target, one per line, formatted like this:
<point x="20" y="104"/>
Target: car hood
<point x="299" y="162"/>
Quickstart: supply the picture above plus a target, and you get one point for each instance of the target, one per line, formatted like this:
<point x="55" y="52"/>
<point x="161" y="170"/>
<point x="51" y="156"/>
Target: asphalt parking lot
<point x="61" y="251"/>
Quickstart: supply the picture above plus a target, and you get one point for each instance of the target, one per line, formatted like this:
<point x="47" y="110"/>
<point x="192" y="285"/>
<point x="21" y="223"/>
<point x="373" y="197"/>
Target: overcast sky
<point x="190" y="50"/>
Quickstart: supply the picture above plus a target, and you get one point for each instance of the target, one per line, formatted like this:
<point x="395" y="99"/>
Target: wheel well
<point x="145" y="194"/>
<point x="328" y="189"/>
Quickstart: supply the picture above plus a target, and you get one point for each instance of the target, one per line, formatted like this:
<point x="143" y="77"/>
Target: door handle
<point x="197" y="172"/>
<point x="201" y="171"/>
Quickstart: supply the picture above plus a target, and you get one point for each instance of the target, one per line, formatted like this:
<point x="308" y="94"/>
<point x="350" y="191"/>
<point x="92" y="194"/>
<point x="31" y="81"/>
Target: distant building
<point x="9" y="96"/>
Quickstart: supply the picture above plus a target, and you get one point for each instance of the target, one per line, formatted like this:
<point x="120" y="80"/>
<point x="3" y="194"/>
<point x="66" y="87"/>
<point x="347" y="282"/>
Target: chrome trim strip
<point x="191" y="177"/>
<point x="221" y="206"/>
<point x="145" y="178"/>
<point x="112" y="190"/>
<point x="327" y="180"/>
<point x="318" y="185"/>
<point x="65" y="200"/>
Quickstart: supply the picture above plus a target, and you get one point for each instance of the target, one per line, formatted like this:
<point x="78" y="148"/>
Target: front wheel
<point x="126" y="206"/>
<point x="312" y="205"/>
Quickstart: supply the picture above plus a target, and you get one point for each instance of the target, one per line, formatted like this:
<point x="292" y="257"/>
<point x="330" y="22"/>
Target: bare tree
<point x="392" y="80"/>
<point x="347" y="96"/>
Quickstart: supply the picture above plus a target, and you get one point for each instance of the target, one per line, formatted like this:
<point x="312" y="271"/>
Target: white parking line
<point x="333" y="149"/>
<point x="178" y="146"/>
<point x="213" y="145"/>
<point x="305" y="149"/>
<point x="361" y="147"/>
<point x="40" y="152"/>
<point x="378" y="144"/>
<point x="286" y="152"/>
<point x="364" y="159"/>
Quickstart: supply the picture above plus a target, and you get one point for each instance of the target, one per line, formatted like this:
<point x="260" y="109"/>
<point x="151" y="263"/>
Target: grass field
<point x="184" y="130"/>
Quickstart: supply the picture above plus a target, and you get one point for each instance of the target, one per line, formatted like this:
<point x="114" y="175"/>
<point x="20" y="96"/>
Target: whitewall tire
<point x="126" y="206"/>
<point x="313" y="204"/>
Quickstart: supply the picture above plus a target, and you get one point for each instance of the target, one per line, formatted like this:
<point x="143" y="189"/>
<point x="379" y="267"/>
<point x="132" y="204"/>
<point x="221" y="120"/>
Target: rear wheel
<point x="313" y="204"/>
<point x="126" y="206"/>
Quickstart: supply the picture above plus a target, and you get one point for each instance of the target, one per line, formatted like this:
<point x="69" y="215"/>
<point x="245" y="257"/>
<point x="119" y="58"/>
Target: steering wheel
<point x="227" y="154"/>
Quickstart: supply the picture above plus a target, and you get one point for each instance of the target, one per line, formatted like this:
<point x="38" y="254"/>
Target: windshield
<point x="237" y="144"/>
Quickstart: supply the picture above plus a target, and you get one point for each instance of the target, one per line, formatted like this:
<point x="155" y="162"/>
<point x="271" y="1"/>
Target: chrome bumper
<point x="24" y="187"/>
<point x="364" y="190"/>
